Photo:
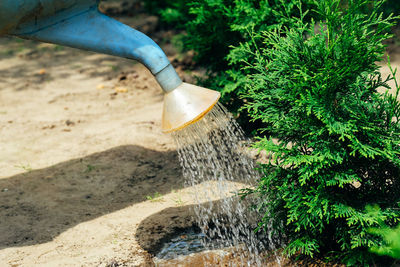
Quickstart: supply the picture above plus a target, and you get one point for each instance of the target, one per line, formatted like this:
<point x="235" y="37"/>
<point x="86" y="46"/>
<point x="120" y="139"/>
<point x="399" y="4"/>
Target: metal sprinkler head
<point x="186" y="105"/>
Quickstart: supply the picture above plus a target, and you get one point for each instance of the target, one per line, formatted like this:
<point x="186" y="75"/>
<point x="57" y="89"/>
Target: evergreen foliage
<point x="173" y="12"/>
<point x="335" y="135"/>
<point x="391" y="239"/>
<point x="392" y="6"/>
<point x="215" y="28"/>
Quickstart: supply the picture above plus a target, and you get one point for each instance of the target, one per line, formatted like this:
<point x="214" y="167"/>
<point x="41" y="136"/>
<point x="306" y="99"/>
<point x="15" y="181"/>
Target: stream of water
<point x="214" y="154"/>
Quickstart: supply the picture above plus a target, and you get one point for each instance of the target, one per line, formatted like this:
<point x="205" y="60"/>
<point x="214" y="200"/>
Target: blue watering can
<point x="79" y="24"/>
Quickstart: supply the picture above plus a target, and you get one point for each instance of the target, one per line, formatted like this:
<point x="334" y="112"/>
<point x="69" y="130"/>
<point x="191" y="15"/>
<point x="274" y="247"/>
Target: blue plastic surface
<point x="96" y="32"/>
<point x="79" y="24"/>
<point x="16" y="13"/>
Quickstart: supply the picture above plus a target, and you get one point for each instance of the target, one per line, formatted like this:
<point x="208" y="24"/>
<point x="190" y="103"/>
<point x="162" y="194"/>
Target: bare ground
<point x="82" y="157"/>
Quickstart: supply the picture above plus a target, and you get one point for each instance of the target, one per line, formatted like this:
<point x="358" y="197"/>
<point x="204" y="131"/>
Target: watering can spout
<point x="79" y="24"/>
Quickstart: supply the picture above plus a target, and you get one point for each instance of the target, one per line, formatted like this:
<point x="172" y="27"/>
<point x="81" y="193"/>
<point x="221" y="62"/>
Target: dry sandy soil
<point x="82" y="159"/>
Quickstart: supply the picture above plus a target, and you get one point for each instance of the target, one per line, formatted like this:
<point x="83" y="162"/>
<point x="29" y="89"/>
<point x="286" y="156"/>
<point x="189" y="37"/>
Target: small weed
<point x="179" y="202"/>
<point x="115" y="239"/>
<point x="3" y="112"/>
<point x="21" y="49"/>
<point x="89" y="168"/>
<point x="44" y="49"/>
<point x="113" y="67"/>
<point x="25" y="167"/>
<point x="157" y="197"/>
<point x="178" y="42"/>
<point x="8" y="52"/>
<point x="58" y="48"/>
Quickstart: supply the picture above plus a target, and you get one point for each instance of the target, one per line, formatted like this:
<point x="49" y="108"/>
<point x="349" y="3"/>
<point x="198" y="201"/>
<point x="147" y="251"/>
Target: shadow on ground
<point x="29" y="59"/>
<point x="159" y="227"/>
<point x="38" y="205"/>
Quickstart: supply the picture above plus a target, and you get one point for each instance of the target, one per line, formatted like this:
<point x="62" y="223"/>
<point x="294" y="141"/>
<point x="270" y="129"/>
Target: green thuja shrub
<point x="214" y="30"/>
<point x="391" y="237"/>
<point x="174" y="13"/>
<point x="155" y="6"/>
<point x="392" y="6"/>
<point x="212" y="26"/>
<point x="335" y="131"/>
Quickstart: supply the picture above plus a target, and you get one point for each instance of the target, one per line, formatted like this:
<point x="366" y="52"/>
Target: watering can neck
<point x="41" y="22"/>
<point x="83" y="26"/>
<point x="20" y="13"/>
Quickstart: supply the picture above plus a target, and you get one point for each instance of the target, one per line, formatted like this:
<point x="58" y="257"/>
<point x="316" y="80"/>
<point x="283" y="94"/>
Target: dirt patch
<point x="159" y="227"/>
<point x="39" y="205"/>
<point x="82" y="156"/>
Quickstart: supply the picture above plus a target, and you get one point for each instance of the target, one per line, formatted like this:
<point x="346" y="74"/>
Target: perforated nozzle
<point x="185" y="105"/>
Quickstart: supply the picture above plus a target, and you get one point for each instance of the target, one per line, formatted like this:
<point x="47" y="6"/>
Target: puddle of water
<point x="186" y="249"/>
<point x="185" y="243"/>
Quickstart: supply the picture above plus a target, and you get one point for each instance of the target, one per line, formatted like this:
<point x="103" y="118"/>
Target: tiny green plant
<point x="179" y="202"/>
<point x="157" y="197"/>
<point x="58" y="48"/>
<point x="90" y="168"/>
<point x="20" y="49"/>
<point x="26" y="167"/>
<point x="8" y="52"/>
<point x="113" y="67"/>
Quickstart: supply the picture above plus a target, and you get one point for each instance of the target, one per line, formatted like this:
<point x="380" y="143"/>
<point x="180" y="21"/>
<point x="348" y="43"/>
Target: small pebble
<point x="121" y="90"/>
<point x="100" y="86"/>
<point x="69" y="123"/>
